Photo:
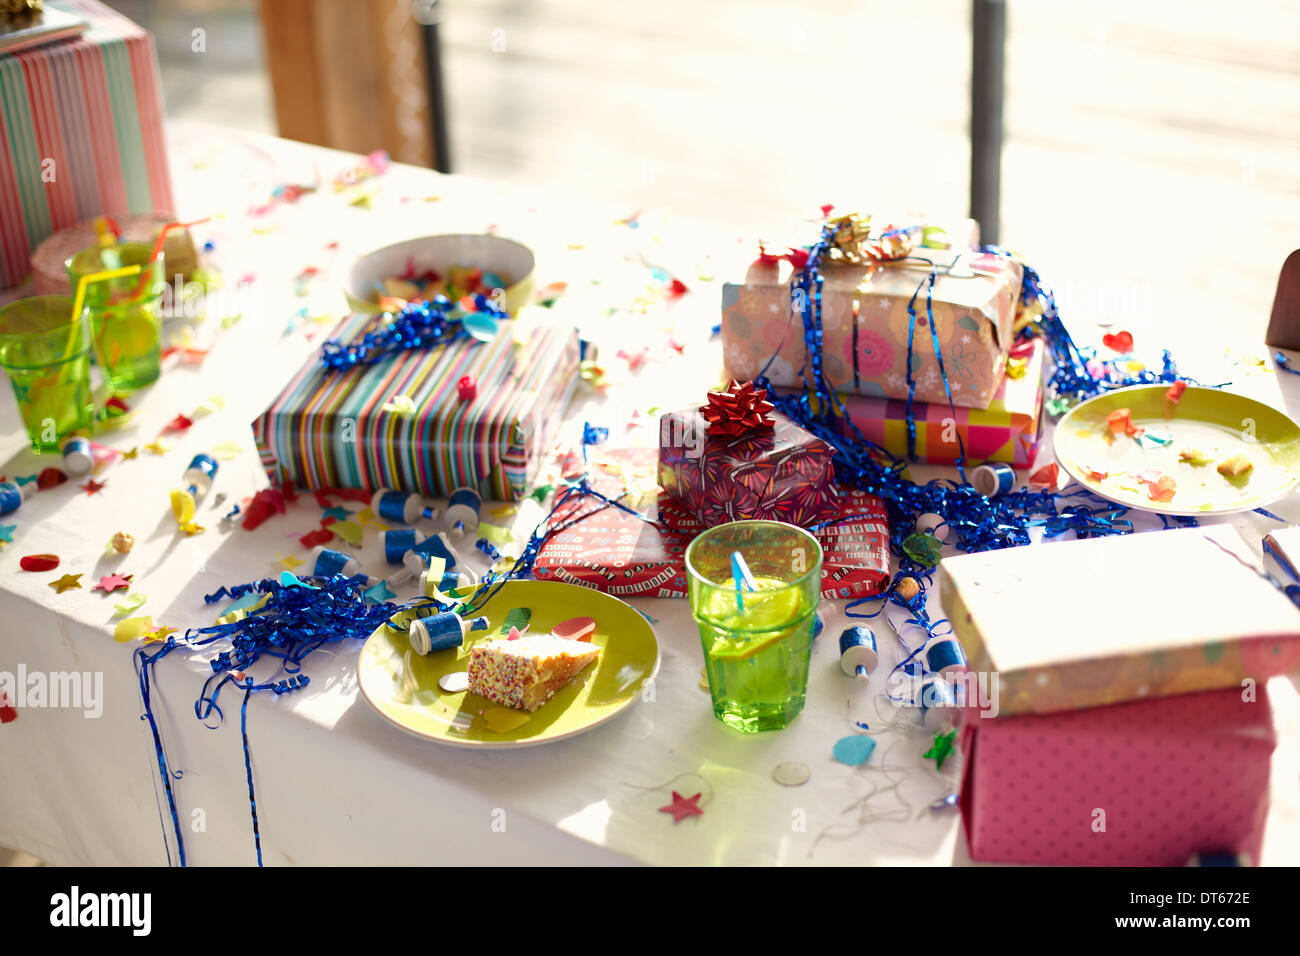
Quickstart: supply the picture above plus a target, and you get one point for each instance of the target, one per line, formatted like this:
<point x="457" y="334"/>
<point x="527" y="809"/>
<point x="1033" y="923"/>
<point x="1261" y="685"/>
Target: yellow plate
<point x="403" y="686"/>
<point x="1217" y="423"/>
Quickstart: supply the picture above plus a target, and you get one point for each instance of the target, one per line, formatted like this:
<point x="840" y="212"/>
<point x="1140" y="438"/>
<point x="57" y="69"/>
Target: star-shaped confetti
<point x="942" y="748"/>
<point x="156" y="448"/>
<point x="93" y="486"/>
<point x="337" y="513"/>
<point x="113" y="582"/>
<point x="128" y="455"/>
<point x="7" y="533"/>
<point x="287" y="562"/>
<point x="66" y="583"/>
<point x="683" y="807"/>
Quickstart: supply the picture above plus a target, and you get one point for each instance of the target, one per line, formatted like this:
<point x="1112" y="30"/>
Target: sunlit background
<point x="1151" y="166"/>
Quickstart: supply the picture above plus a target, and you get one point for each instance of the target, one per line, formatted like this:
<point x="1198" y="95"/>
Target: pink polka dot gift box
<point x="1148" y="783"/>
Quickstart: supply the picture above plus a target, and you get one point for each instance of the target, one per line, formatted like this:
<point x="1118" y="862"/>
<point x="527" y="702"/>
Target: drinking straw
<point x="741" y="575"/>
<point x="94" y="277"/>
<point x="158" y="247"/>
<point x="106" y="234"/>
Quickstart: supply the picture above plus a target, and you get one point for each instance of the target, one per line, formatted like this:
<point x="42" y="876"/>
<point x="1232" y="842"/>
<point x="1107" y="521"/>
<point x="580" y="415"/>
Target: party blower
<point x="198" y="482"/>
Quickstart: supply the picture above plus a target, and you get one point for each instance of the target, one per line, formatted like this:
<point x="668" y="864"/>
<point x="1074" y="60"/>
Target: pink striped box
<point x="1147" y="783"/>
<point x="81" y="133"/>
<point x="333" y="429"/>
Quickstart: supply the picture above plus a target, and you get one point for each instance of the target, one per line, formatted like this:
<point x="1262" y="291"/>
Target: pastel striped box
<point x="81" y="133"/>
<point x="330" y="429"/>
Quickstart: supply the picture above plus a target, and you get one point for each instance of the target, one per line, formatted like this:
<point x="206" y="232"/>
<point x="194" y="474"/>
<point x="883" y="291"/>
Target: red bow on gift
<point x="739" y="410"/>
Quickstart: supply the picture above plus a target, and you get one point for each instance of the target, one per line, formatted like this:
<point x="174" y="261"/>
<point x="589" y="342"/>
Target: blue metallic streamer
<point x="419" y="325"/>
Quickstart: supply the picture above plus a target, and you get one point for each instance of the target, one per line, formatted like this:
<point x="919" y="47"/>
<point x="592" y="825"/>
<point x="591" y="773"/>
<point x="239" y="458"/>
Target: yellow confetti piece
<point x="507" y="510"/>
<point x="227" y="450"/>
<point x="213" y="404"/>
<point x="323" y="318"/>
<point x="156" y="448"/>
<point x="349" y="531"/>
<point x="128" y="455"/>
<point x="367" y="516"/>
<point x="132" y="628"/>
<point x="1016" y="367"/>
<point x="433" y="576"/>
<point x="287" y="562"/>
<point x="238" y="615"/>
<point x="158" y="634"/>
<point x="400" y="405"/>
<point x="133" y="600"/>
<point x="496" y="534"/>
<point x="502" y="720"/>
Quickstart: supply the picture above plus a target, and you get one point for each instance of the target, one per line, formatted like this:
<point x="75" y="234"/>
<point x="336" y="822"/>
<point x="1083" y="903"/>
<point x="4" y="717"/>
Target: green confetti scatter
<point x="923" y="548"/>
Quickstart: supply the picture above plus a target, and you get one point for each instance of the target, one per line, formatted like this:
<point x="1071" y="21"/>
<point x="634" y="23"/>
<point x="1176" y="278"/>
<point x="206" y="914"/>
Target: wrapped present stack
<point x="1138" y="733"/>
<point x="81" y="131"/>
<point x="406" y="423"/>
<point x="878" y="294"/>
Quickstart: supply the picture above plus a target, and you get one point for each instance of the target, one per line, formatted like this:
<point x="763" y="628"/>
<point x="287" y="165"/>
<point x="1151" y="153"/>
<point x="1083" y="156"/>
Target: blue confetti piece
<point x="853" y="750"/>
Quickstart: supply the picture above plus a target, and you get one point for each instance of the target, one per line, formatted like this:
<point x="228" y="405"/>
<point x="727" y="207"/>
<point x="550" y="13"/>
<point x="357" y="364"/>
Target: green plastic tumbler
<point x="46" y="353"/>
<point x="125" y="313"/>
<point x="757" y="642"/>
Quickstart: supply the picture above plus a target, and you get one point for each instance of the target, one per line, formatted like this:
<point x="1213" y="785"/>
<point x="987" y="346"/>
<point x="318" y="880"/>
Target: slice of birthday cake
<point x="527" y="672"/>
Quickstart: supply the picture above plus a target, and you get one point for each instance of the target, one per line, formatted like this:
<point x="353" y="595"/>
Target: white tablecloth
<point x="335" y="783"/>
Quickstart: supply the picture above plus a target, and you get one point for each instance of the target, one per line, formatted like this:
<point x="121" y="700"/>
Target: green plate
<point x="403" y="686"/>
<point x="1216" y="423"/>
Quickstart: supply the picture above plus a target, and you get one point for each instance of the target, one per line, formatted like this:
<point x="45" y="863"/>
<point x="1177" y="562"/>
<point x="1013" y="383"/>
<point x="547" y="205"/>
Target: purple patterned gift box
<point x="777" y="473"/>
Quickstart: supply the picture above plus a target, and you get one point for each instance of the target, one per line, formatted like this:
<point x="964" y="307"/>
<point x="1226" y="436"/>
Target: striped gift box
<point x="330" y="429"/>
<point x="81" y="133"/>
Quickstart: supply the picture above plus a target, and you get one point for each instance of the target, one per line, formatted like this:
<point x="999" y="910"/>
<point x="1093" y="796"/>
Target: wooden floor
<point x="1152" y="160"/>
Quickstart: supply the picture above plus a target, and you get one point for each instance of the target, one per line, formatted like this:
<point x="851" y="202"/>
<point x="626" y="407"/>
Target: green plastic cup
<point x="757" y="643"/>
<point x="46" y="353"/>
<point x="126" y="326"/>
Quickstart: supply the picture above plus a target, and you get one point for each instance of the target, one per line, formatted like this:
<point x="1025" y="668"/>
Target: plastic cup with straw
<point x="158" y="248"/>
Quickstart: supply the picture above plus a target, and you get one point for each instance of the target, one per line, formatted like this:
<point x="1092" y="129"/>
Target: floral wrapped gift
<point x="970" y="311"/>
<point x="734" y="458"/>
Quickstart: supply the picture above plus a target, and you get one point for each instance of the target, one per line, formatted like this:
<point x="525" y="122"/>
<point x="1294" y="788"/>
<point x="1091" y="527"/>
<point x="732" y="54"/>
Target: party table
<point x="335" y="783"/>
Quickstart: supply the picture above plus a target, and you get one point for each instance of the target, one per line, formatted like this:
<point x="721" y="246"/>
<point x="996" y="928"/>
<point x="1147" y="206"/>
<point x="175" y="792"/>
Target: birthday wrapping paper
<point x="1072" y="624"/>
<point x="865" y="326"/>
<point x="618" y="553"/>
<point x="782" y="473"/>
<point x="355" y="429"/>
<point x="81" y="133"/>
<point x="1008" y="430"/>
<point x="1146" y="783"/>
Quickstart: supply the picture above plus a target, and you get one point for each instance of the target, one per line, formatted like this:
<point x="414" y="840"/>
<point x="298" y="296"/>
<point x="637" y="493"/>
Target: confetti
<point x="93" y="486"/>
<point x="7" y="533"/>
<point x="159" y="634"/>
<point x="156" y="448"/>
<point x="337" y="513"/>
<point x="113" y="582"/>
<point x="39" y="562"/>
<point x="1048" y="476"/>
<point x="854" y="750"/>
<point x="1154" y="439"/>
<point x="575" y="629"/>
<point x="1016" y="367"/>
<point x="49" y="478"/>
<point x="68" y="582"/>
<point x="942" y="748"/>
<point x="496" y="534"/>
<point x="133" y="600"/>
<point x="349" y="531"/>
<point x="132" y="628"/>
<point x="227" y="450"/>
<point x="683" y="807"/>
<point x="287" y="562"/>
<point x="1121" y="342"/>
<point x="180" y="423"/>
<point x="379" y="593"/>
<point x="1175" y="391"/>
<point x="313" y="538"/>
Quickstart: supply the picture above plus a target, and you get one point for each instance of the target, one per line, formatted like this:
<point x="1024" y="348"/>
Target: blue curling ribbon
<point x="419" y="325"/>
<point x="1284" y="363"/>
<point x="592" y="435"/>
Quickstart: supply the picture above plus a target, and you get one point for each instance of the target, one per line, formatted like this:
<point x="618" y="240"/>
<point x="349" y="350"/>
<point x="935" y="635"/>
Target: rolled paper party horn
<point x="396" y="543"/>
<point x="326" y="562"/>
<point x="446" y="580"/>
<point x="78" y="456"/>
<point x="935" y="524"/>
<point x="401" y="508"/>
<point x="858" y="653"/>
<point x="442" y="632"/>
<point x="198" y="482"/>
<point x="12" y="495"/>
<point x="993" y="479"/>
<point x="437" y="546"/>
<point x="937" y="701"/>
<point x="945" y="657"/>
<point x="462" y="512"/>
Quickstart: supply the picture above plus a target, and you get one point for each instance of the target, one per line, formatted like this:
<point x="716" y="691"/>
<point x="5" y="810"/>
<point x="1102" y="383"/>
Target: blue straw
<point x="744" y="580"/>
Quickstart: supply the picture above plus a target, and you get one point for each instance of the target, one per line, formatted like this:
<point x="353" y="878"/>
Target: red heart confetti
<point x="1121" y="342"/>
<point x="49" y="478"/>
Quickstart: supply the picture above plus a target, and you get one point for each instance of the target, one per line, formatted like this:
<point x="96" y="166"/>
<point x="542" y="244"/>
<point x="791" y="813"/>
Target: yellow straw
<point x="97" y="277"/>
